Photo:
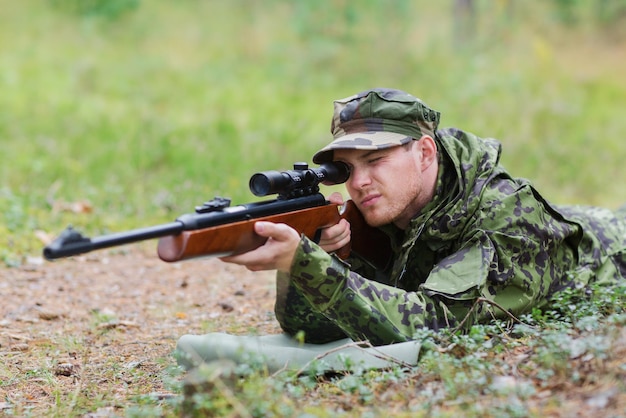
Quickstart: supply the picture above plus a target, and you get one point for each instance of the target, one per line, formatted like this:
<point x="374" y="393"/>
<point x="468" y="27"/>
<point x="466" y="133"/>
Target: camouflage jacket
<point x="485" y="236"/>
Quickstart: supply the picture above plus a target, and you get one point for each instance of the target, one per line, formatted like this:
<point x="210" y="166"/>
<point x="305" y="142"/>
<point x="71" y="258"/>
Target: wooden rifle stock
<point x="239" y="237"/>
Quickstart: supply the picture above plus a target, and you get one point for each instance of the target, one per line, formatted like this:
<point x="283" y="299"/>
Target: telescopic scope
<point x="302" y="180"/>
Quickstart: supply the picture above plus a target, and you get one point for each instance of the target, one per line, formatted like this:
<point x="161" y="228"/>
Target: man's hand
<point x="276" y="254"/>
<point x="336" y="236"/>
<point x="282" y="242"/>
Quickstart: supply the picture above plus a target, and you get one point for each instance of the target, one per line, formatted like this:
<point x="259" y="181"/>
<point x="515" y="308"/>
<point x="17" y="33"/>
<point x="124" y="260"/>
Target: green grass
<point x="146" y="108"/>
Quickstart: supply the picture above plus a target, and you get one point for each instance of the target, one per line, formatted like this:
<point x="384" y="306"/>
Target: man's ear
<point x="428" y="148"/>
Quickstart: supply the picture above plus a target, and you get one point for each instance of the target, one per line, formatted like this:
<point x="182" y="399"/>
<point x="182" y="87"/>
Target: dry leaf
<point x="44" y="237"/>
<point x="80" y="206"/>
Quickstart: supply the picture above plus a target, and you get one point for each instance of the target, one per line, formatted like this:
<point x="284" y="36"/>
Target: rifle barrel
<point x="71" y="242"/>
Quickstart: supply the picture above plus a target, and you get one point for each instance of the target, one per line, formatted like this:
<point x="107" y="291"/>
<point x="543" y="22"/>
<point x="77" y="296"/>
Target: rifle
<point x="218" y="229"/>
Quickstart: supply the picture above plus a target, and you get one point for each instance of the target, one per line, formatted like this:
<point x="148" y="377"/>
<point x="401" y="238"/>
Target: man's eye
<point x="373" y="160"/>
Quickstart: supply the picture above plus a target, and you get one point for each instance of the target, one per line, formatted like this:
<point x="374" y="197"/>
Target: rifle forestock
<point x="239" y="237"/>
<point x="368" y="242"/>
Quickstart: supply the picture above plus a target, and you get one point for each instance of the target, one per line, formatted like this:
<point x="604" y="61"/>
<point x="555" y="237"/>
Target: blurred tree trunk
<point x="464" y="13"/>
<point x="465" y="18"/>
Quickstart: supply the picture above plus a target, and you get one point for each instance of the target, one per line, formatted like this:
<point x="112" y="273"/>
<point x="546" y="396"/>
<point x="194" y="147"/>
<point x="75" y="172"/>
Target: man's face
<point x="387" y="185"/>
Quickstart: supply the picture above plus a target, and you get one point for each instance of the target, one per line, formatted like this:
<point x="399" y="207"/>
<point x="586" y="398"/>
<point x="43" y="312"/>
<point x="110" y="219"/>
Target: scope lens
<point x="272" y="182"/>
<point x="260" y="185"/>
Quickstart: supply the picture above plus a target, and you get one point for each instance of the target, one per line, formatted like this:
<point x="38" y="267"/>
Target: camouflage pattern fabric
<point x="484" y="235"/>
<point x="377" y="119"/>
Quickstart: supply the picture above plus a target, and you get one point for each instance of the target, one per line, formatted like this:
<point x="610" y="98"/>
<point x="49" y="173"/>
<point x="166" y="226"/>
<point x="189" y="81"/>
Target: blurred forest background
<point x="116" y="114"/>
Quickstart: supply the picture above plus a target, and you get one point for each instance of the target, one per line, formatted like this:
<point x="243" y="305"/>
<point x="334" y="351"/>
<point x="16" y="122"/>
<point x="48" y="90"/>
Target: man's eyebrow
<point x="370" y="153"/>
<point x="365" y="155"/>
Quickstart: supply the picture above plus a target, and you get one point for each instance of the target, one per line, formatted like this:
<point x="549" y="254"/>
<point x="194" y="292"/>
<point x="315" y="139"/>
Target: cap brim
<point x="372" y="140"/>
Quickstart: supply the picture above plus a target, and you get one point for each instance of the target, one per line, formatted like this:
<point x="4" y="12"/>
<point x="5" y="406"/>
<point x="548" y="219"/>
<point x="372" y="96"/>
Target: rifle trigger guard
<point x="343" y="208"/>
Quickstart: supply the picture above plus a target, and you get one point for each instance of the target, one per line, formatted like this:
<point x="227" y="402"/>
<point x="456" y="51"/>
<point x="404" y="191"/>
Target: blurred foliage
<point x="141" y="110"/>
<point x="608" y="14"/>
<point x="108" y="9"/>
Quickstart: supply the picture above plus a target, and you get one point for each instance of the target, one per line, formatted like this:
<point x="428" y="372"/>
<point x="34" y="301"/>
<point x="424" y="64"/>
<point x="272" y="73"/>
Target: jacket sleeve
<point x="382" y="314"/>
<point x="364" y="309"/>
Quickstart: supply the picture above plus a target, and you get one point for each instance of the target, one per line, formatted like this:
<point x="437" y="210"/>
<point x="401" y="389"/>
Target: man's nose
<point x="359" y="178"/>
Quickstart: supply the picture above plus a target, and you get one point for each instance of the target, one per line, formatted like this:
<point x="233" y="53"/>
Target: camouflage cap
<point x="377" y="119"/>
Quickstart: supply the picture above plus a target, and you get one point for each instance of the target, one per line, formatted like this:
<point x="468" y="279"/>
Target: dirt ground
<point x="94" y="332"/>
<point x="108" y="322"/>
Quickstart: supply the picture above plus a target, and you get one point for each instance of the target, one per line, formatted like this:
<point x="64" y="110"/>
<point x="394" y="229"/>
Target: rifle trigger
<point x="213" y="205"/>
